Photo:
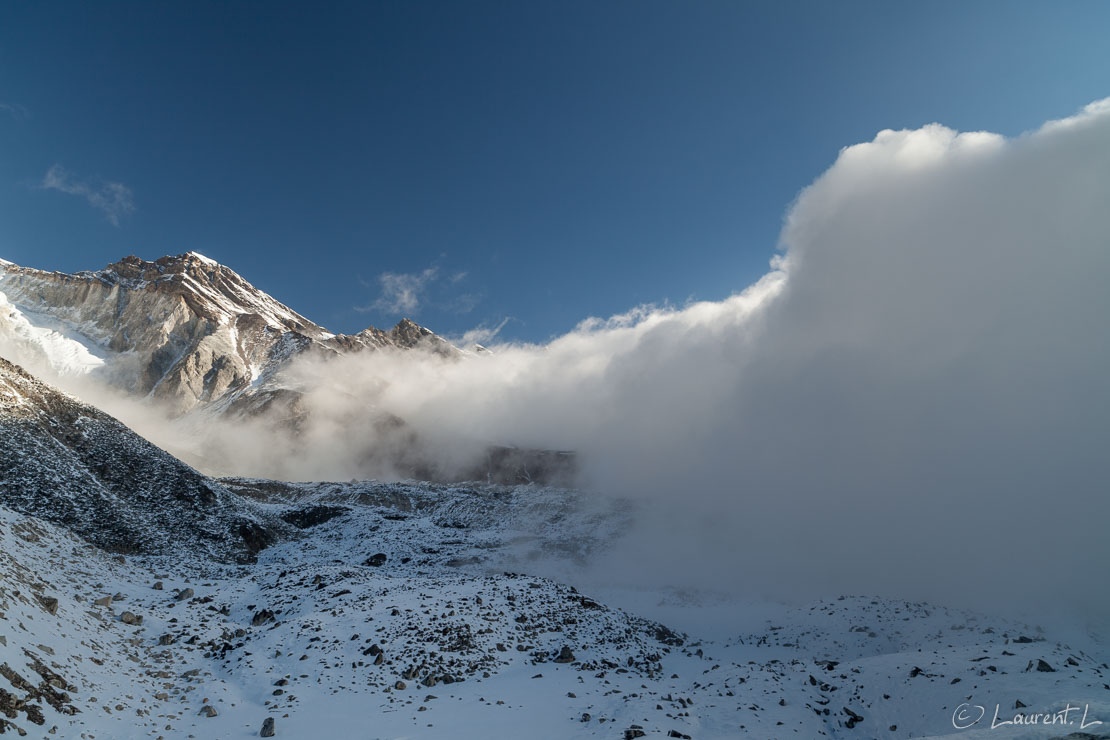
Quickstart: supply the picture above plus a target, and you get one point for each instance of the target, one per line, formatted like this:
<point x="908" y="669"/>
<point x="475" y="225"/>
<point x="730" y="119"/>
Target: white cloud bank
<point x="916" y="401"/>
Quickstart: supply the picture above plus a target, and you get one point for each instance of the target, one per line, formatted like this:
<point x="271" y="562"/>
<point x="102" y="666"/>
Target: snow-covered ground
<point x="449" y="636"/>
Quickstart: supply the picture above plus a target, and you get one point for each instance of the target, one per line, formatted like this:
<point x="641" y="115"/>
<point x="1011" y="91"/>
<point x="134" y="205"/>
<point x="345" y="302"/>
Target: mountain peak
<point x="408" y="334"/>
<point x="182" y="328"/>
<point x="211" y="290"/>
<point x="191" y="263"/>
<point x="200" y="257"/>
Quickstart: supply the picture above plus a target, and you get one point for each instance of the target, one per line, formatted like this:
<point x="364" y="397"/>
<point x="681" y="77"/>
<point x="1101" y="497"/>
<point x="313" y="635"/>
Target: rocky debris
<point x="1040" y="665"/>
<point x="50" y="690"/>
<point x="376" y="560"/>
<point x="157" y="586"/>
<point x="131" y="618"/>
<point x="666" y="635"/>
<point x="267" y="728"/>
<point x="207" y="711"/>
<point x="183" y="594"/>
<point x="49" y="604"/>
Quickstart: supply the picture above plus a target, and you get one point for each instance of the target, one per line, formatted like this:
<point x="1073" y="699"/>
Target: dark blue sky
<point x="544" y="161"/>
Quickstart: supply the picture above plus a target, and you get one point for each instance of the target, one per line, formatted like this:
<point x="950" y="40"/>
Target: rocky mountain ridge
<point x="184" y="330"/>
<point x="66" y="462"/>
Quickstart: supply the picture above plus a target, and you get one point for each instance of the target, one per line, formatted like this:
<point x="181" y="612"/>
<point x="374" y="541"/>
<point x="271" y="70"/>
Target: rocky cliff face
<point x="183" y="330"/>
<point x="66" y="462"/>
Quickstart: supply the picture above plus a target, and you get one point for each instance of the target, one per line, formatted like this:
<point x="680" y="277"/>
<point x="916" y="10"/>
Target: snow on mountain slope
<point x="67" y="462"/>
<point x="183" y="329"/>
<point x="41" y="340"/>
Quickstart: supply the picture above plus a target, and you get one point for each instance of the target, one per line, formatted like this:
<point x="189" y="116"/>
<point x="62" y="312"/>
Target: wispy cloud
<point x="409" y="292"/>
<point x="464" y="303"/>
<point x="15" y="110"/>
<point x="483" y="334"/>
<point x="114" y="199"/>
<point x="402" y="292"/>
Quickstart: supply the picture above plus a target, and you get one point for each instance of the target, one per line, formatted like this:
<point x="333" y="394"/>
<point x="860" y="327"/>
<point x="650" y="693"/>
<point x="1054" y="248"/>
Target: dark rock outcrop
<point x="310" y="516"/>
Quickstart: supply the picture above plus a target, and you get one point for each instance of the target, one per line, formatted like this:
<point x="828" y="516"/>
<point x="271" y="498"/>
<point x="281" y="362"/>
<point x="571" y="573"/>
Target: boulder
<point x="262" y="617"/>
<point x="565" y="655"/>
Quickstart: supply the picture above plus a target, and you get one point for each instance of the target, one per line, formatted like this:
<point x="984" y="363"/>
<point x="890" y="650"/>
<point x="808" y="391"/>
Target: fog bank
<point x="912" y="402"/>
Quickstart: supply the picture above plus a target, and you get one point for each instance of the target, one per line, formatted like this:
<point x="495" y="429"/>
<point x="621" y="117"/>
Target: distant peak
<point x="408" y="334"/>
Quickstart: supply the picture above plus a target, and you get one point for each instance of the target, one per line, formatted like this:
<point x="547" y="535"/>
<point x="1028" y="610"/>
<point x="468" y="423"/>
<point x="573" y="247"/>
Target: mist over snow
<point x="913" y="402"/>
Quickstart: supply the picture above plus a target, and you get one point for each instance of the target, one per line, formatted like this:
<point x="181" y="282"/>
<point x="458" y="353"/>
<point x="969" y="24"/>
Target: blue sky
<point x="541" y="162"/>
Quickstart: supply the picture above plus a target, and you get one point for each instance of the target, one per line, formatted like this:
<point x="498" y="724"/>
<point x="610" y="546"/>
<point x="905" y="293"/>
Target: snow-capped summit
<point x="202" y="258"/>
<point x="183" y="329"/>
<point x="213" y="291"/>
